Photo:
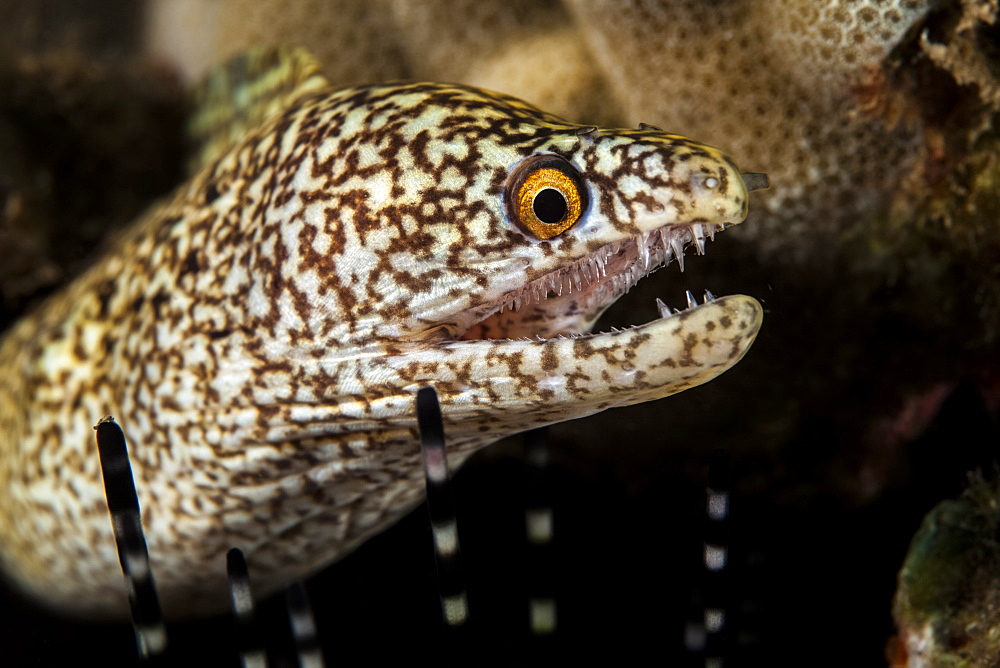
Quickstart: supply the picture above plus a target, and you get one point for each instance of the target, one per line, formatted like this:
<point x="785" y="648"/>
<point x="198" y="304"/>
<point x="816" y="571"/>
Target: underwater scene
<point x="500" y="333"/>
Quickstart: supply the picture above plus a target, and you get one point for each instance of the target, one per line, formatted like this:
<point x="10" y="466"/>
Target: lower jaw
<point x="583" y="374"/>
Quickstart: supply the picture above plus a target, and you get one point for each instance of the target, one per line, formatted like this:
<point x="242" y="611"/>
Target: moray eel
<point x="261" y="333"/>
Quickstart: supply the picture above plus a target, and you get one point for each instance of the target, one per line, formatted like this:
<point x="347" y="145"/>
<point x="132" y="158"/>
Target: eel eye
<point x="545" y="196"/>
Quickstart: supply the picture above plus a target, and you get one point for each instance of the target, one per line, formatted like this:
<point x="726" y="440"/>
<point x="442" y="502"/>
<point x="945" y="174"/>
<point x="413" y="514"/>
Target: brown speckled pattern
<point x="261" y="334"/>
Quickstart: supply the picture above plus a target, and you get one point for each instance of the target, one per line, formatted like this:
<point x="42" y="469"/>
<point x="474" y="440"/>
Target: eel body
<point x="260" y="334"/>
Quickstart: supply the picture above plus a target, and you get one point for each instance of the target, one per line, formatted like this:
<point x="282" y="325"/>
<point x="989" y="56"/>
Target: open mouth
<point x="567" y="301"/>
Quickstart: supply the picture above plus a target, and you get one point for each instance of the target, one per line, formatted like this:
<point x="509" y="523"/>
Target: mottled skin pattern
<point x="260" y="335"/>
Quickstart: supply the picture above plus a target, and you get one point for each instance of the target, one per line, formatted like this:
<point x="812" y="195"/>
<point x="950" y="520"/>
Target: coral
<point x="775" y="83"/>
<point x="355" y="40"/>
<point x="948" y="601"/>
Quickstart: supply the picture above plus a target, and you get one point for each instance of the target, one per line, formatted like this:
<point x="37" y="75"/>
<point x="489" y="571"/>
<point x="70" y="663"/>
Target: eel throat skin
<point x="260" y="334"/>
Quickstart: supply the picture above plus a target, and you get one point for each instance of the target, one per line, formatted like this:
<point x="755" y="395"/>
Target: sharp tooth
<point x="698" y="232"/>
<point x="663" y="309"/>
<point x="711" y="232"/>
<point x="577" y="280"/>
<point x="666" y="247"/>
<point x="709" y="297"/>
<point x="692" y="302"/>
<point x="678" y="247"/>
<point x="517" y="303"/>
<point x="643" y="248"/>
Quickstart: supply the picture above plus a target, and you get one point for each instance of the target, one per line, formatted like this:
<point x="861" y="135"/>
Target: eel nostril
<point x="756" y="181"/>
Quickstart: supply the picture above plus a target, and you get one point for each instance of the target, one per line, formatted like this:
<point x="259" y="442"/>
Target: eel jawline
<point x="581" y="375"/>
